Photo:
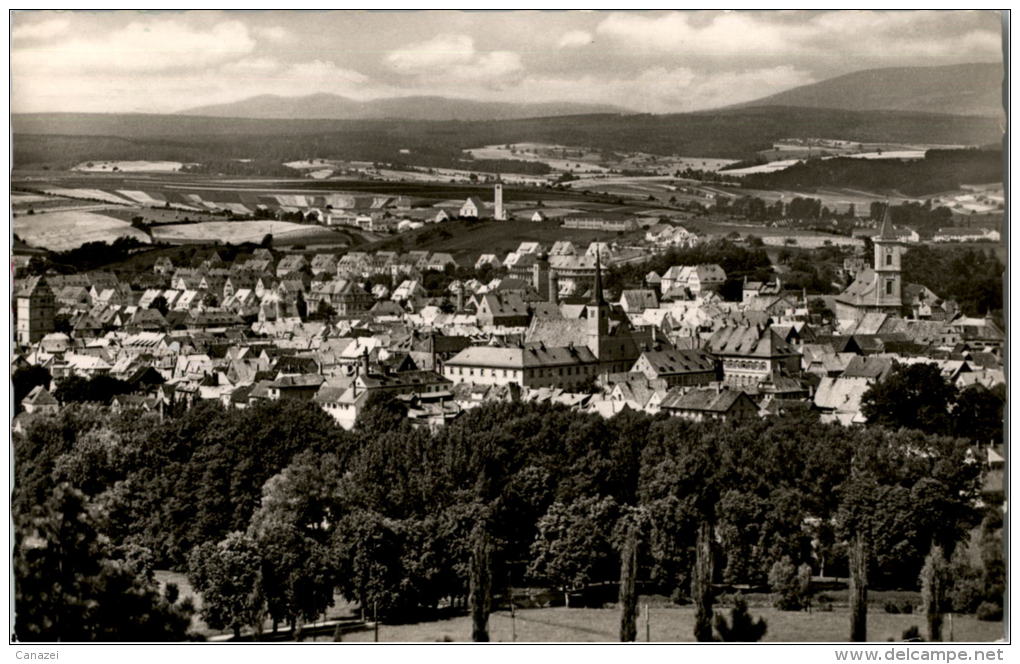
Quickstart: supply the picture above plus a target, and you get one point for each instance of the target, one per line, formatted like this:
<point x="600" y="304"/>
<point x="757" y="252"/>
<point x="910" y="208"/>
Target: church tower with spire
<point x="888" y="281"/>
<point x="597" y="314"/>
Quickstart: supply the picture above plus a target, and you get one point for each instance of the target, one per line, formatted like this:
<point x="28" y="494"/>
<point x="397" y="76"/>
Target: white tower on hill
<point x="500" y="213"/>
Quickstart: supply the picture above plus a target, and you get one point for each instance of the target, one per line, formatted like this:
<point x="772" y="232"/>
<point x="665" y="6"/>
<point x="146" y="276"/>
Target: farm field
<point x="129" y="166"/>
<point x="67" y="229"/>
<point x="234" y="189"/>
<point x="671" y="624"/>
<point x="161" y="215"/>
<point x="236" y="232"/>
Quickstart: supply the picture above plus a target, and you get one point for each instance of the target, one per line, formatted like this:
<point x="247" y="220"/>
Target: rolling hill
<point x="967" y="89"/>
<point x="65" y="139"/>
<point x="335" y="107"/>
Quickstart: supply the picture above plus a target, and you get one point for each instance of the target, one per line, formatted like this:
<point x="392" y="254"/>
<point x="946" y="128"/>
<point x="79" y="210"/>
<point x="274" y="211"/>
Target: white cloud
<point x="846" y="34"/>
<point x="274" y="34"/>
<point x="40" y="29"/>
<point x="662" y="89"/>
<point x="440" y="51"/>
<point x="724" y="34"/>
<point x="574" y="38"/>
<point x="173" y="91"/>
<point x="453" y="58"/>
<point x="155" y="45"/>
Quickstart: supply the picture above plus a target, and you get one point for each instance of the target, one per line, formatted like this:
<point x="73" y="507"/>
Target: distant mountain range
<point x="967" y="89"/>
<point x="322" y="106"/>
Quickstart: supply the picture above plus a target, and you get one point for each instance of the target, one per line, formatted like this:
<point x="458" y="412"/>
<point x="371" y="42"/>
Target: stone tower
<point x="888" y="286"/>
<point x="499" y="212"/>
<point x="36" y="307"/>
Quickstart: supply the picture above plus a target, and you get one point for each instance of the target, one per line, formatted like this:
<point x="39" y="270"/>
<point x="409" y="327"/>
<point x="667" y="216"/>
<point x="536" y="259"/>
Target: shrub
<point x="904" y="606"/>
<point x="912" y="633"/>
<point x="967" y="592"/>
<point x="989" y="611"/>
<point x="788" y="585"/>
<point x="741" y="626"/>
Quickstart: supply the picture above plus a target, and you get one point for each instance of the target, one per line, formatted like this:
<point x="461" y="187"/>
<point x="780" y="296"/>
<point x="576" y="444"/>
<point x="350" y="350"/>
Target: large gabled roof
<point x="703" y="399"/>
<point x="678" y="361"/>
<point x="749" y="341"/>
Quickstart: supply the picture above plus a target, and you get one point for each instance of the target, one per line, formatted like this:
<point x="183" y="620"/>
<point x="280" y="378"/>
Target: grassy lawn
<point x="669" y="624"/>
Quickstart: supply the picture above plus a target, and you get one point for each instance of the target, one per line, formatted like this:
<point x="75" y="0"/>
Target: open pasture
<point x="236" y="232"/>
<point x="66" y="229"/>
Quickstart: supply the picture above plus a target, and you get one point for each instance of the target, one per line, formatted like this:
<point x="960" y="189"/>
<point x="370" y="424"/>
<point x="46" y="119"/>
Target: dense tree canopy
<point x="973" y="277"/>
<point x="71" y="585"/>
<point x="272" y="507"/>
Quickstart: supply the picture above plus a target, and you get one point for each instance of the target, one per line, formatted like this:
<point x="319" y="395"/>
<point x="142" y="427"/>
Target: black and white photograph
<point x="520" y="326"/>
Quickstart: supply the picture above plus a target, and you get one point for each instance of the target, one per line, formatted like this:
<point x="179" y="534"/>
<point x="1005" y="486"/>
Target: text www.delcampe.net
<point x="920" y="655"/>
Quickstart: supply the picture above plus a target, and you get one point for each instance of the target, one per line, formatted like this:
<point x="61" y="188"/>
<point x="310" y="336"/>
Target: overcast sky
<point x="659" y="61"/>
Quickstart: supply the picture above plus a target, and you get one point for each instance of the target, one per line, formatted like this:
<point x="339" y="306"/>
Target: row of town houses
<point x="247" y="331"/>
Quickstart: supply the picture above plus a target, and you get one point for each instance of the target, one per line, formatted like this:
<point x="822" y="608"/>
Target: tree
<point x="817" y="307"/>
<point x="324" y="310"/>
<point x="858" y="587"/>
<point x="480" y="587"/>
<point x="742" y="626"/>
<point x="935" y="584"/>
<point x="25" y="379"/>
<point x="573" y="547"/>
<point x="978" y="414"/>
<point x="228" y="574"/>
<point x="628" y="578"/>
<point x="915" y="396"/>
<point x="267" y="241"/>
<point x="291" y="530"/>
<point x="787" y="585"/>
<point x="70" y="585"/>
<point x="99" y="389"/>
<point x="701" y="584"/>
<point x="368" y="550"/>
<point x="159" y="303"/>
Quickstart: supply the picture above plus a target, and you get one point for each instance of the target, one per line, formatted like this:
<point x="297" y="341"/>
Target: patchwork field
<point x="236" y="232"/>
<point x="66" y="229"/>
<point x="671" y="624"/>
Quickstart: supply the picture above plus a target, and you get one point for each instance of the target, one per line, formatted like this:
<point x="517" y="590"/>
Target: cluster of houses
<point x="277" y="327"/>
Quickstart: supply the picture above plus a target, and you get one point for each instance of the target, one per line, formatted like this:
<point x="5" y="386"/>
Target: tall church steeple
<point x="888" y="283"/>
<point x="597" y="298"/>
<point x="597" y="313"/>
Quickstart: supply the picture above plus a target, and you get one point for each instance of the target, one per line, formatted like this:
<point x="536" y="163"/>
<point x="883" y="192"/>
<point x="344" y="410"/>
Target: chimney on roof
<point x="364" y="362"/>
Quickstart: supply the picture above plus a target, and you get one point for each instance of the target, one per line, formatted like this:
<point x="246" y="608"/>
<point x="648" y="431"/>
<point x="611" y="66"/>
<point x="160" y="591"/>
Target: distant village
<point x="289" y="326"/>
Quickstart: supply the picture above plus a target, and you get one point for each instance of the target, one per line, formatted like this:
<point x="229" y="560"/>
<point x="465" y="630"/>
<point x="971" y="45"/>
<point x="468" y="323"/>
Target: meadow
<point x="671" y="624"/>
<point x="67" y="229"/>
<point x="236" y="232"/>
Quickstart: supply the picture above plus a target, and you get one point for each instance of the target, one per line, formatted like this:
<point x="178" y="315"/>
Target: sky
<point x="646" y="61"/>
